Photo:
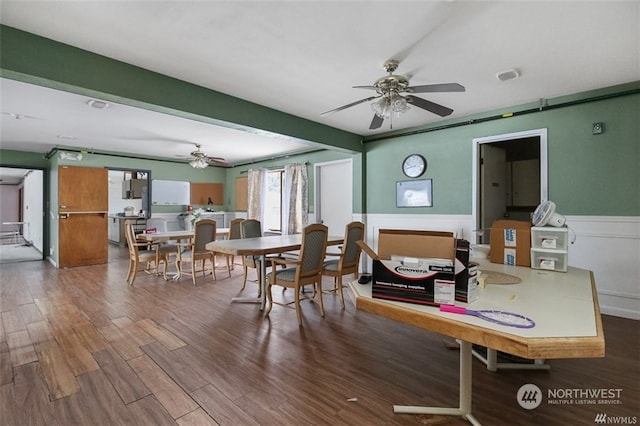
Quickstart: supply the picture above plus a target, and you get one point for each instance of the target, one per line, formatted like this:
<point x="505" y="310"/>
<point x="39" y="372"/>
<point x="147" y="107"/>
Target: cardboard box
<point x="466" y="274"/>
<point x="414" y="266"/>
<point x="510" y="242"/>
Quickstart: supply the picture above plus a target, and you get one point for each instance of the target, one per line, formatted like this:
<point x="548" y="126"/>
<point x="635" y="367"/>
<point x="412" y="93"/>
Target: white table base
<point x="491" y="361"/>
<point x="464" y="409"/>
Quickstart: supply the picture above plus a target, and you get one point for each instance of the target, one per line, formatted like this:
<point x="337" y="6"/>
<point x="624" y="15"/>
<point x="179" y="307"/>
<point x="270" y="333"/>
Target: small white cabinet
<point x="114" y="229"/>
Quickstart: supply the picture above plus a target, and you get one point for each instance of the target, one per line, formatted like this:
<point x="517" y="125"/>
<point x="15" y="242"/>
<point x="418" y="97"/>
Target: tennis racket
<point x="499" y="317"/>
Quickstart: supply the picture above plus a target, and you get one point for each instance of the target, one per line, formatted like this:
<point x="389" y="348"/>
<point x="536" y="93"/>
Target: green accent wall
<point x="588" y="174"/>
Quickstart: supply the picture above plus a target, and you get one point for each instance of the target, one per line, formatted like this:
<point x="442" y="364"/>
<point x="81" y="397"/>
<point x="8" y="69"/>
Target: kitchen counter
<point x="116" y="227"/>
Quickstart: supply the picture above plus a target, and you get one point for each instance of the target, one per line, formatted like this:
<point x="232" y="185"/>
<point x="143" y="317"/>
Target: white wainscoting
<point x="610" y="247"/>
<point x="607" y="245"/>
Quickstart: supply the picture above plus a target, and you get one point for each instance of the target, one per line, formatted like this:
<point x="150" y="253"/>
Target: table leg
<point x="464" y="409"/>
<point x="262" y="298"/>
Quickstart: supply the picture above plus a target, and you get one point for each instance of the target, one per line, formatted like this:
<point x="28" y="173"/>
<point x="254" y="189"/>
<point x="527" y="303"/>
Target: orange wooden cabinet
<point x="201" y="192"/>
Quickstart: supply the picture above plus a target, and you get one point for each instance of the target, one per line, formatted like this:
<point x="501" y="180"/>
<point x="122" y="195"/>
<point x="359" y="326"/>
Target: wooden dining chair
<point x="305" y="270"/>
<point x="235" y="233"/>
<point x="347" y="260"/>
<point x="195" y="251"/>
<point x="140" y="254"/>
<point x="165" y="250"/>
<point x="250" y="228"/>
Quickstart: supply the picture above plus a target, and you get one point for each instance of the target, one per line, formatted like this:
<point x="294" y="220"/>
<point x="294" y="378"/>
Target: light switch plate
<point x="598" y="128"/>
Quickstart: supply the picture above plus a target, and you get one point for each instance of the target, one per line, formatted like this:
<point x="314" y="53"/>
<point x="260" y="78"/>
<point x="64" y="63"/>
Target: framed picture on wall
<point x="414" y="193"/>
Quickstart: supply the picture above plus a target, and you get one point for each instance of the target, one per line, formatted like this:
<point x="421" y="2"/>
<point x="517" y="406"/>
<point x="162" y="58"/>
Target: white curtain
<point x="256" y="186"/>
<point x="295" y="205"/>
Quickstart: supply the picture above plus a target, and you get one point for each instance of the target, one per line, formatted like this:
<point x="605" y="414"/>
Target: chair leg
<point x="244" y="281"/>
<point x="129" y="273"/>
<point x="269" y="298"/>
<point x="297" y="302"/>
<point x="193" y="270"/>
<point x="213" y="266"/>
<point x="318" y="291"/>
<point x="229" y="264"/>
<point x="339" y="290"/>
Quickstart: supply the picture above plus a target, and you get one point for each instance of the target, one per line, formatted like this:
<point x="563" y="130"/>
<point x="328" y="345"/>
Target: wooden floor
<point x="80" y="347"/>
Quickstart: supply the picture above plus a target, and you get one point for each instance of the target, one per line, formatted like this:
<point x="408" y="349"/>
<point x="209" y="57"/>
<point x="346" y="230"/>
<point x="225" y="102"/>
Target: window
<point x="273" y="202"/>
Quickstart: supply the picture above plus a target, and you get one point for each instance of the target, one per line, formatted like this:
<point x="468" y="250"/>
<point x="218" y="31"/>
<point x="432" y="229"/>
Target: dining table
<point x="179" y="235"/>
<point x="182" y="234"/>
<point x="564" y="306"/>
<point x="262" y="247"/>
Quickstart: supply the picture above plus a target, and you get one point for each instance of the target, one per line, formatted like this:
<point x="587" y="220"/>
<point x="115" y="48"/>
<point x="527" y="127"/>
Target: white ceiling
<point x="303" y="57"/>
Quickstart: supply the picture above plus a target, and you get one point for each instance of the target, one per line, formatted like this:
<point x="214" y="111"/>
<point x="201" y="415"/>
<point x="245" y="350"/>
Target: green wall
<point x="588" y="174"/>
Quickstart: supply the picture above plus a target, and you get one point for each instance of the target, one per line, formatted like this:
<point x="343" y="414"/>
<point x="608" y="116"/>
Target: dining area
<point x="298" y="262"/>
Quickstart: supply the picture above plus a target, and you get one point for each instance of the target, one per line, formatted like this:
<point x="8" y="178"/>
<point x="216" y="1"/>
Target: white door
<point x="333" y="199"/>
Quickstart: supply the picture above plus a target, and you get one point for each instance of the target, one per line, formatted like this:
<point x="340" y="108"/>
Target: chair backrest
<point x="251" y="228"/>
<point x="204" y="232"/>
<point x="234" y="228"/>
<point x="160" y="223"/>
<point x="130" y="236"/>
<point x="313" y="248"/>
<point x="354" y="232"/>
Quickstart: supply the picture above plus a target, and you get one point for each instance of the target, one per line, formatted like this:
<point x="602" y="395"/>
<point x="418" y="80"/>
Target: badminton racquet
<point x="499" y="317"/>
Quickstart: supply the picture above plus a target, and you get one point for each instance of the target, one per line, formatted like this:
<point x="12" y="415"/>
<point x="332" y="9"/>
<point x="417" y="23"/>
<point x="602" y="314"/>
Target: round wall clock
<point x="414" y="165"/>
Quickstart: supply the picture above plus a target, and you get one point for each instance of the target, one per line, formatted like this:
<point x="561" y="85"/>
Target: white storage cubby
<point x="549" y="238"/>
<point x="551" y="260"/>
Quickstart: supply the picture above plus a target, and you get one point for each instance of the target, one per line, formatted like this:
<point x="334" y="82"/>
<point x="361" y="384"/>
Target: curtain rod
<point x="306" y="163"/>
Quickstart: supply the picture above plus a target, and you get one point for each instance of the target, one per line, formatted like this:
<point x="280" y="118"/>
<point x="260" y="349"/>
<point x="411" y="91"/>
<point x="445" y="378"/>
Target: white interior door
<point x="333" y="199"/>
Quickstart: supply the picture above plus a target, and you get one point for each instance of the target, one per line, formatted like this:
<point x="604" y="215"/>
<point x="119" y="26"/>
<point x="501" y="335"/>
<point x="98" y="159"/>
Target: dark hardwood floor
<point x="81" y="347"/>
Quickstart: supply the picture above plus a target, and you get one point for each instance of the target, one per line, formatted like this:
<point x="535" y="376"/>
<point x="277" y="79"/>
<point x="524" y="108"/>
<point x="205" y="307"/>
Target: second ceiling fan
<point x="394" y="96"/>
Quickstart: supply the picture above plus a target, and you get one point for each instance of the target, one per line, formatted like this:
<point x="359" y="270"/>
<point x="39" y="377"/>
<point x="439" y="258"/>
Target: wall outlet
<point x="598" y="128"/>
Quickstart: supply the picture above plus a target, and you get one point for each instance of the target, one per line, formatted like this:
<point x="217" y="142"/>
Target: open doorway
<point x="509" y="178"/>
<point x="22" y="232"/>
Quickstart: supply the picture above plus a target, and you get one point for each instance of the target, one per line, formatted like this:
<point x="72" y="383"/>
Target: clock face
<point x="414" y="165"/>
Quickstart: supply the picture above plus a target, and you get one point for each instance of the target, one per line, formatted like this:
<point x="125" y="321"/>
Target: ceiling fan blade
<point x="433" y="107"/>
<point x="219" y="161"/>
<point x="376" y="122"/>
<point x="350" y="105"/>
<point x="430" y="88"/>
<point x="366" y="87"/>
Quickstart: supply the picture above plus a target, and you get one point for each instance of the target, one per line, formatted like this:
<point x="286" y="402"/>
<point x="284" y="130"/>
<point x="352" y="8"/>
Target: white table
<point x="563" y="305"/>
<point x="156" y="237"/>
<point x="262" y="247"/>
<point x="183" y="234"/>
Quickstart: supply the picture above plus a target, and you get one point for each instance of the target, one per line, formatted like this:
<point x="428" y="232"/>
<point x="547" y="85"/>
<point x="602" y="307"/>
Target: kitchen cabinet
<point x="133" y="188"/>
<point x="202" y="192"/>
<point x="114" y="229"/>
<point x="117" y="229"/>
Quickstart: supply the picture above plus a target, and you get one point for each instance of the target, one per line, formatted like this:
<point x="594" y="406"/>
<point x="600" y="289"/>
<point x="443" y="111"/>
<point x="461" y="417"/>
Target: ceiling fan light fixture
<point x="390" y="103"/>
<point x="198" y="163"/>
<point x="381" y="107"/>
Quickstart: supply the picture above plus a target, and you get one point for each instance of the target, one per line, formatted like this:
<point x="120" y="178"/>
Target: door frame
<point x="475" y="174"/>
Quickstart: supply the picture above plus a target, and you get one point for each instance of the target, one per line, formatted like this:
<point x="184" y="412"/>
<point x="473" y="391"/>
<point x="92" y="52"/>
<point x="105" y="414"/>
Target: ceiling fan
<point x="200" y="159"/>
<point x="392" y="100"/>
